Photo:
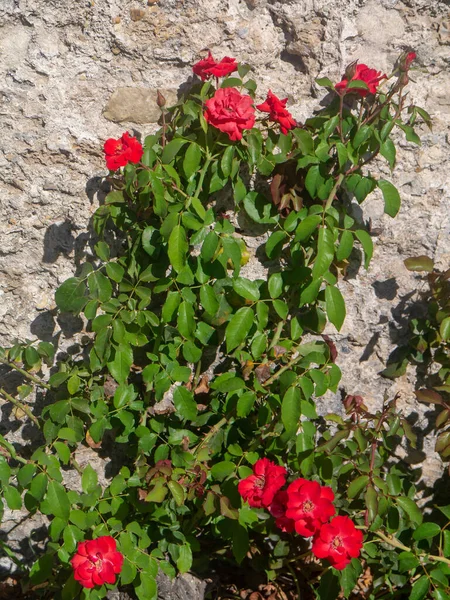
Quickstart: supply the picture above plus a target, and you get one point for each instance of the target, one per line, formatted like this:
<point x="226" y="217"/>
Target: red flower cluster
<point x="363" y="73"/>
<point x="231" y="112"/>
<point x="119" y="153"/>
<point x="208" y="67"/>
<point x="259" y="489"/>
<point x="305" y="507"/>
<point x="277" y="112"/>
<point x="97" y="562"/>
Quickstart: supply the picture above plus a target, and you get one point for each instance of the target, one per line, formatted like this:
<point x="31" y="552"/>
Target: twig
<point x="32" y="378"/>
<point x="19" y="404"/>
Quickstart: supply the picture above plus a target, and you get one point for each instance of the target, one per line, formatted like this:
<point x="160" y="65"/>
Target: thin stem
<point x="20" y="405"/>
<point x="292" y="572"/>
<point x="202" y="177"/>
<point x="214" y="429"/>
<point x="32" y="378"/>
<point x="333" y="191"/>
<point x="341" y="108"/>
<point x="276" y="375"/>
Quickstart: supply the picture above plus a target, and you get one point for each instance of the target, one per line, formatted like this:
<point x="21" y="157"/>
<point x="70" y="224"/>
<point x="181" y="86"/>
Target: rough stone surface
<point x="136" y="105"/>
<point x="62" y="61"/>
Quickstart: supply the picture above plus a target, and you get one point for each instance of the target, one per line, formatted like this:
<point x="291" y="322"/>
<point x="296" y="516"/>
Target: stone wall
<point x="68" y="67"/>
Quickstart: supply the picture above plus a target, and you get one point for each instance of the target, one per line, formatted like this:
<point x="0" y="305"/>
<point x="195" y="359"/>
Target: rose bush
<point x="194" y="374"/>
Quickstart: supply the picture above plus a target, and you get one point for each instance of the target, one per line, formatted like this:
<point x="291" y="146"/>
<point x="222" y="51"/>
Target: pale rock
<point x="136" y="105"/>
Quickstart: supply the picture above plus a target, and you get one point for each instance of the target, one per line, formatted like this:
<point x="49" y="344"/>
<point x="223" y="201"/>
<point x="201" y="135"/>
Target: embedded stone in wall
<point x="136" y="105"/>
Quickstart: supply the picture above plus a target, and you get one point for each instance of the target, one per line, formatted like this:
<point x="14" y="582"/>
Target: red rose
<point x="277" y="112"/>
<point x="208" y="67"/>
<point x="202" y="67"/>
<point x="259" y="489"/>
<point x="309" y="505"/>
<point x="97" y="562"/>
<point x="119" y="153"/>
<point x="226" y="66"/>
<point x="278" y="510"/>
<point x="338" y="541"/>
<point x="361" y="73"/>
<point x="231" y="112"/>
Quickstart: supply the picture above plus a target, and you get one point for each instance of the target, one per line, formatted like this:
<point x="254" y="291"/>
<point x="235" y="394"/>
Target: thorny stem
<point x="341" y="108"/>
<point x="32" y="378"/>
<point x="392" y="541"/>
<point x="20" y="405"/>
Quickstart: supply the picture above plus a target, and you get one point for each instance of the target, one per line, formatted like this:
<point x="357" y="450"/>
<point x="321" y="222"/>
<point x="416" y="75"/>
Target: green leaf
<point x="185" y="320"/>
<point x="357" y="485"/>
<point x="357" y="84"/>
<point x="345" y="245"/>
<point x="70" y="296"/>
<point x="307" y="227"/>
<point x="147" y="588"/>
<point x="170" y="306"/>
<point x="324" y="82"/>
<point x="275" y="285"/>
<point x="367" y="244"/>
<point x="39" y="486"/>
<point x="325" y="252"/>
<point x="227" y="160"/>
<point x="192" y="159"/>
<point x="245" y="404"/>
<point x="407" y="561"/>
<point x="426" y="531"/>
<point x="246" y="288"/>
<point x="121" y="365"/>
<point x="56" y="501"/>
<point x="444" y="329"/>
<point x="89" y="480"/>
<point x="185" y="404"/>
<point x="177" y="492"/>
<point x="335" y="306"/>
<point x="290" y="410"/>
<point x="420" y="588"/>
<point x="387" y="149"/>
<point x="222" y="470"/>
<point x="171" y="149"/>
<point x="184" y="562"/>
<point x="239" y="327"/>
<point x="410" y="508"/>
<point x="99" y="286"/>
<point x="12" y="497"/>
<point x="240" y="542"/>
<point x="208" y="299"/>
<point x="275" y="243"/>
<point x="115" y="271"/>
<point x="391" y="197"/>
<point x="313" y="180"/>
<point x="178" y="248"/>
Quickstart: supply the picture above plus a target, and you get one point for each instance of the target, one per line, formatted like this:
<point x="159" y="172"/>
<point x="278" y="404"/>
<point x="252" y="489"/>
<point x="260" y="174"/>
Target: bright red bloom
<point x="97" y="562"/>
<point x="259" y="489"/>
<point x="278" y="510"/>
<point x="231" y="112"/>
<point x="209" y="67"/>
<point x="338" y="541"/>
<point x="277" y="112"/>
<point x="226" y="66"/>
<point x="309" y="505"/>
<point x="202" y="67"/>
<point x="361" y="73"/>
<point x="119" y="153"/>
